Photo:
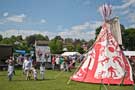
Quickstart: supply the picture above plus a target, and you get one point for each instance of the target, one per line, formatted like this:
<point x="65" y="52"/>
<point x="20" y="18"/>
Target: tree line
<point x="58" y="43"/>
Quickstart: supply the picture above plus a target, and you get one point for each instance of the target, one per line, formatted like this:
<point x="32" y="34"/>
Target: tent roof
<point x="42" y="43"/>
<point x="70" y="53"/>
<point x="129" y="53"/>
<point x="20" y="51"/>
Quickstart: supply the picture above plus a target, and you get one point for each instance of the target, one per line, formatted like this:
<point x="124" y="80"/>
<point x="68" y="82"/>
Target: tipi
<point x="105" y="62"/>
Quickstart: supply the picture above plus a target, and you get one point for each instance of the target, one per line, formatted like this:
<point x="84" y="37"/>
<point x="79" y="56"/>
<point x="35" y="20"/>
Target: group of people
<point x="63" y="62"/>
<point x="28" y="68"/>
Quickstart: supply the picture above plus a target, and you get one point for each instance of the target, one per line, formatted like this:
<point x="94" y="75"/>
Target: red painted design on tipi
<point x="105" y="62"/>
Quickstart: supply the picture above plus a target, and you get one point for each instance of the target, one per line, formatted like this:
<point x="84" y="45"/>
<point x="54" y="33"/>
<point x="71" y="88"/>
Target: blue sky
<point x="67" y="18"/>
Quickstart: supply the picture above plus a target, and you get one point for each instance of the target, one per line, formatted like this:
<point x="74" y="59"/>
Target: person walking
<point x="27" y="65"/>
<point x="61" y="63"/>
<point x="35" y="73"/>
<point x="42" y="70"/>
<point x="57" y="62"/>
<point x="10" y="68"/>
<point x="53" y="62"/>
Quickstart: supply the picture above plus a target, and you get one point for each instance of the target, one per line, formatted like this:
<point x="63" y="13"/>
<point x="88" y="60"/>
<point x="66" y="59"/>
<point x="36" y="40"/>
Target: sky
<point x="75" y="19"/>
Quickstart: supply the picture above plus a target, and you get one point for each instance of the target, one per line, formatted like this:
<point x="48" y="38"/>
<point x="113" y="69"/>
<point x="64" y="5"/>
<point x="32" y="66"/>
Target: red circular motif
<point x="111" y="49"/>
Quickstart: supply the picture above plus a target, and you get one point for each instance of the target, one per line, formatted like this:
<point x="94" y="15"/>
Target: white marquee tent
<point x="70" y="53"/>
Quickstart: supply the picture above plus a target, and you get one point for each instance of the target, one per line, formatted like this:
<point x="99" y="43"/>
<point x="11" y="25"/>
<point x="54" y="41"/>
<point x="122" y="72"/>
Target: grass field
<point x="50" y="83"/>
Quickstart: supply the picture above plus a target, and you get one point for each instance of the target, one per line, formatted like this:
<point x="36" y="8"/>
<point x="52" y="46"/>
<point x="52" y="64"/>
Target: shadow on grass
<point x="6" y="75"/>
<point x="3" y="75"/>
<point x="22" y="80"/>
<point x="98" y="84"/>
<point x="47" y="79"/>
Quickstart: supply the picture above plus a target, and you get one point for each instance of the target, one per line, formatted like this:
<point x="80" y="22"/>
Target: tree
<point x="59" y="45"/>
<point x="6" y="41"/>
<point x="79" y="49"/>
<point x="1" y="37"/>
<point x="70" y="47"/>
<point x="46" y="38"/>
<point x="68" y="40"/>
<point x="77" y="41"/>
<point x="97" y="31"/>
<point x="16" y="39"/>
<point x="58" y="38"/>
<point x="56" y="46"/>
<point x="19" y="38"/>
<point x="31" y="39"/>
<point x="91" y="42"/>
<point x="129" y="38"/>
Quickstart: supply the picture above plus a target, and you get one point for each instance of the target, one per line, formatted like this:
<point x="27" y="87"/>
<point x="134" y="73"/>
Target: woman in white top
<point x="27" y="65"/>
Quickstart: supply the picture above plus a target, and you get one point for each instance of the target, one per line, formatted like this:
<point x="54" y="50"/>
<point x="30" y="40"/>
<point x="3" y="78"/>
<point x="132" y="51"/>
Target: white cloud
<point x="25" y="33"/>
<point x="16" y="18"/>
<point x="132" y="26"/>
<point x="5" y="14"/>
<point x="43" y="21"/>
<point x="83" y="31"/>
<point x="125" y="8"/>
<point x="126" y="4"/>
<point x="131" y="17"/>
<point x="13" y="18"/>
<point x="86" y="2"/>
<point x="2" y="21"/>
<point x="126" y="11"/>
<point x="85" y="26"/>
<point x="80" y="27"/>
<point x="59" y="28"/>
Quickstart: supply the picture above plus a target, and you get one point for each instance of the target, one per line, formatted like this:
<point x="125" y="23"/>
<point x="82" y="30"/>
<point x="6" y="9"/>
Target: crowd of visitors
<point x="30" y="67"/>
<point x="63" y="62"/>
<point x="58" y="62"/>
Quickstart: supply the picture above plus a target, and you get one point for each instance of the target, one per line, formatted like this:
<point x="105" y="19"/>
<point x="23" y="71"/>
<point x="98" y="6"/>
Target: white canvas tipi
<point x="105" y="62"/>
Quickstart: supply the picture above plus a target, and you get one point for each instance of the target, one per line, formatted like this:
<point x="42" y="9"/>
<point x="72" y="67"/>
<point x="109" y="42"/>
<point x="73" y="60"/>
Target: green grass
<point x="50" y="83"/>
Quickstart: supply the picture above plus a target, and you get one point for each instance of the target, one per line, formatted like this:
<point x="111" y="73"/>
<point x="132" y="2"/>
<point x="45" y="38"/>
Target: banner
<point x="42" y="53"/>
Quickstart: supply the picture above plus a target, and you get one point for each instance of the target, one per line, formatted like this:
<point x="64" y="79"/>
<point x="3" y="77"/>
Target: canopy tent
<point x="105" y="62"/>
<point x="129" y="53"/>
<point x="70" y="53"/>
<point x="20" y="51"/>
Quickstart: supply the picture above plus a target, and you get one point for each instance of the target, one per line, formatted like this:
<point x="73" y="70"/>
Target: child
<point x="34" y="73"/>
<point x="42" y="70"/>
